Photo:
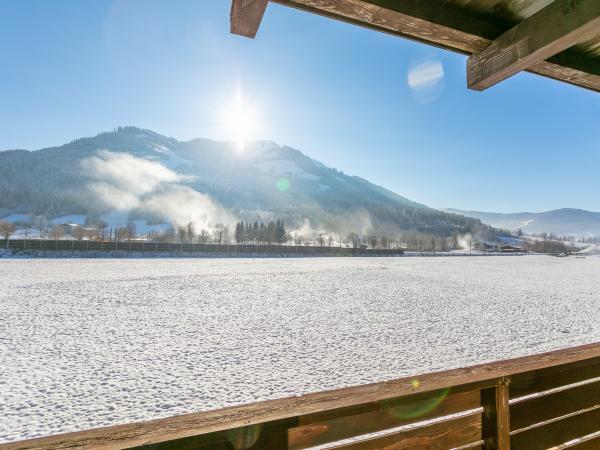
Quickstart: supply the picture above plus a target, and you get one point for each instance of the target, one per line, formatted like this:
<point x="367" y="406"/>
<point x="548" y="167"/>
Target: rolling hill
<point x="141" y="174"/>
<point x="566" y="221"/>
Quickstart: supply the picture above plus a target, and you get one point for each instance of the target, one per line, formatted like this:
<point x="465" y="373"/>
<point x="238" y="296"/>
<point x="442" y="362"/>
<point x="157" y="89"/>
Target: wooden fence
<point x="550" y="400"/>
<point x="164" y="247"/>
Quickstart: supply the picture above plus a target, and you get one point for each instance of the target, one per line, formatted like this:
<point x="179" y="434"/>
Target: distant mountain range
<point x="139" y="174"/>
<point x="566" y="221"/>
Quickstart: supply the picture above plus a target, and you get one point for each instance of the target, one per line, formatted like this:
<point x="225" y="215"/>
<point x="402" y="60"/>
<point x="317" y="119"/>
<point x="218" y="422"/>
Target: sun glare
<point x="241" y="122"/>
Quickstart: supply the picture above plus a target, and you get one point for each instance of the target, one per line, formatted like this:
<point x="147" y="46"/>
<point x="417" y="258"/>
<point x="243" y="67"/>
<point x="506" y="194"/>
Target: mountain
<point x="141" y="174"/>
<point x="566" y="221"/>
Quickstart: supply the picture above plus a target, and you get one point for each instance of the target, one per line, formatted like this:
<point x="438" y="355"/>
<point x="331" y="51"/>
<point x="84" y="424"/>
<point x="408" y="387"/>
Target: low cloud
<point x="124" y="182"/>
<point x="182" y="204"/>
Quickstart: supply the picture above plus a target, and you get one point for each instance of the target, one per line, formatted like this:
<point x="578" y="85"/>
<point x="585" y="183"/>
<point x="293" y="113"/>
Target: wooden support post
<point x="496" y="417"/>
<point x="557" y="27"/>
<point x="246" y="16"/>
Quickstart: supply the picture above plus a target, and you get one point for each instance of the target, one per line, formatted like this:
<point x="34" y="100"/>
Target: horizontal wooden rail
<point x="530" y="402"/>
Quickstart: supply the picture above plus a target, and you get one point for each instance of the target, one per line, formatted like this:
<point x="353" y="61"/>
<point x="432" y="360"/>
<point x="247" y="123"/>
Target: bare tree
<point x="41" y="223"/>
<point x="385" y="243"/>
<point x="27" y="227"/>
<point x="78" y="233"/>
<point x="321" y="239"/>
<point x="190" y="232"/>
<point x="203" y="236"/>
<point x="354" y="240"/>
<point x="220" y="233"/>
<point x="6" y="230"/>
<point x="373" y="241"/>
<point x="57" y="232"/>
<point x="329" y="240"/>
<point x="131" y="231"/>
<point x="121" y="234"/>
<point x="181" y="233"/>
<point x="469" y="239"/>
<point x="101" y="230"/>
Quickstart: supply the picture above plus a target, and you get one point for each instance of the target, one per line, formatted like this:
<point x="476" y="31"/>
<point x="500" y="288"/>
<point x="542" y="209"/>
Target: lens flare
<point x="418" y="407"/>
<point x="426" y="80"/>
<point x="244" y="438"/>
<point x="283" y="185"/>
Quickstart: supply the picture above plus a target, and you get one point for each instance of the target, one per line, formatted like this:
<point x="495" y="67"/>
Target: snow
<point x="77" y="219"/>
<point x="88" y="343"/>
<point x="524" y="224"/>
<point x="283" y="167"/>
<point x="174" y="161"/>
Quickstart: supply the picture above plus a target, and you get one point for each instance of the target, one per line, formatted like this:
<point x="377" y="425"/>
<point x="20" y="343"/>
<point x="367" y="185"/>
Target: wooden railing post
<point x="496" y="417"/>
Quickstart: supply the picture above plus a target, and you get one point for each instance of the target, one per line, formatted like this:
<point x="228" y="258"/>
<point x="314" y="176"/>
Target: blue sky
<point x="339" y="93"/>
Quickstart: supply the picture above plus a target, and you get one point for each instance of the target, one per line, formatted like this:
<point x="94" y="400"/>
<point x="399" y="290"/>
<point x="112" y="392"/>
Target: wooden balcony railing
<point x="550" y="400"/>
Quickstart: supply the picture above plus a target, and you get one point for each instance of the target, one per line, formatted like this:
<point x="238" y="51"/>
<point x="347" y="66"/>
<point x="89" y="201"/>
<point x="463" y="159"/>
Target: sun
<point x="241" y="121"/>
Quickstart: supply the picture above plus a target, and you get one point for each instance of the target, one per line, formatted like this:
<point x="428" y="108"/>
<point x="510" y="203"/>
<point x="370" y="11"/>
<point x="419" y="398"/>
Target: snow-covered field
<point x="86" y="343"/>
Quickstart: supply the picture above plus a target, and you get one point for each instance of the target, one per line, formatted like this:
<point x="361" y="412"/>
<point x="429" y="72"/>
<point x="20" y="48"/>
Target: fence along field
<point x="214" y="249"/>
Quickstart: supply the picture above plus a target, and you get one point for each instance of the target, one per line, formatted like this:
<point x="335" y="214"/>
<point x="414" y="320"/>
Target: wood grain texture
<point x="453" y="25"/>
<point x="558" y="432"/>
<point x="269" y="436"/>
<point x="536" y="381"/>
<point x="496" y="416"/>
<point x="541" y="409"/>
<point x="438" y="436"/>
<point x="557" y="27"/>
<point x="188" y="425"/>
<point x="246" y="16"/>
<point x="588" y="444"/>
<point x="317" y="430"/>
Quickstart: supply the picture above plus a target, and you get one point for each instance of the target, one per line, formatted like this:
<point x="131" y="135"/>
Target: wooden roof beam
<point x="246" y="16"/>
<point x="555" y="28"/>
<point x="438" y="23"/>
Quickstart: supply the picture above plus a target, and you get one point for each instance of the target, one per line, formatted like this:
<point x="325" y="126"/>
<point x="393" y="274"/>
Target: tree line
<point x="273" y="232"/>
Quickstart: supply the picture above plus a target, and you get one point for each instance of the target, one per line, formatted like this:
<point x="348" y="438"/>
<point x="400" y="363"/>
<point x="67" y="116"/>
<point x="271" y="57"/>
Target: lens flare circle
<point x="426" y="80"/>
<point x="283" y="185"/>
<point x="244" y="438"/>
<point x="418" y="408"/>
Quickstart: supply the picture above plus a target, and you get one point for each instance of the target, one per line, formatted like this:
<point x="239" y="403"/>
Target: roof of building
<point x="559" y="39"/>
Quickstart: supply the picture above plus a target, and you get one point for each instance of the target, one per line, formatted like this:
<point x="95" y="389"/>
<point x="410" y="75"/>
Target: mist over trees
<point x="276" y="232"/>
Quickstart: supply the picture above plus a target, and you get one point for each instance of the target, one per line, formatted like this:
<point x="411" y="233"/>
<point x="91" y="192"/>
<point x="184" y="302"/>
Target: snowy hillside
<point x="142" y="175"/>
<point x="566" y="221"/>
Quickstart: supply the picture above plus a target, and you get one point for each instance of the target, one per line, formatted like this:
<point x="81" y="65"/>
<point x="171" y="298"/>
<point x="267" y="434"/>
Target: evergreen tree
<point x="239" y="232"/>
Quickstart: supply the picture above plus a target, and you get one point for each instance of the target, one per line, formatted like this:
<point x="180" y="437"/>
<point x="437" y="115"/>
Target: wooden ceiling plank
<point x="408" y="18"/>
<point x="557" y="27"/>
<point x="246" y="16"/>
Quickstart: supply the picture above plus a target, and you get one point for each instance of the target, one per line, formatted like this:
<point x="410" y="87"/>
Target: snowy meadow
<point x="88" y="343"/>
